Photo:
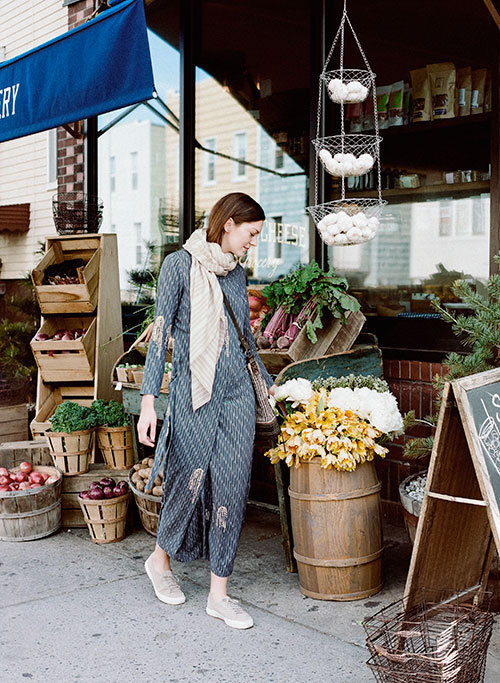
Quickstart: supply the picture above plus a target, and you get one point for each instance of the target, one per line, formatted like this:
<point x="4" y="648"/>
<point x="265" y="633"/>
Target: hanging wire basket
<point x="445" y="641"/>
<point x="348" y="86"/>
<point x="348" y="155"/>
<point x="77" y="213"/>
<point x="345" y="222"/>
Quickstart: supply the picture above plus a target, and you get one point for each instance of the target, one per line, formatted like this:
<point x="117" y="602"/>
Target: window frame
<point x="209" y="161"/>
<point x="236" y="177"/>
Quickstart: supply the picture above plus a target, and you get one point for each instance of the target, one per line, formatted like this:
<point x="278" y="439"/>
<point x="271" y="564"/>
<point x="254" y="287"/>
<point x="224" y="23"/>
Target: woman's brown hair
<point x="236" y="205"/>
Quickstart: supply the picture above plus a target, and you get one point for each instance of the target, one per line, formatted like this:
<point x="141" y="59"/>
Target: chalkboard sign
<point x="459" y="522"/>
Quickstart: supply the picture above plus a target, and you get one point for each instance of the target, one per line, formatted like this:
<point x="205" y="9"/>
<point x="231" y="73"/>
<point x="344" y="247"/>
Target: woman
<point x="207" y="438"/>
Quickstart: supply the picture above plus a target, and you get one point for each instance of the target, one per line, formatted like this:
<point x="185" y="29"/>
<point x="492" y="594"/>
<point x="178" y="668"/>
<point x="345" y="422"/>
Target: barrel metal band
<point x="356" y="493"/>
<point x="349" y="562"/>
<point x="34" y="513"/>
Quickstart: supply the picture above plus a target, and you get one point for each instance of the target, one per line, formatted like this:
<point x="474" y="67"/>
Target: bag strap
<point x="243" y="341"/>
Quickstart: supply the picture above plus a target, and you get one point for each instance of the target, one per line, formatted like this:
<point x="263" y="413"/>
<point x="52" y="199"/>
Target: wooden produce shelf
<point x="50" y="398"/>
<point x="68" y="299"/>
<point x="427" y="191"/>
<point x="335" y="337"/>
<point x="66" y="361"/>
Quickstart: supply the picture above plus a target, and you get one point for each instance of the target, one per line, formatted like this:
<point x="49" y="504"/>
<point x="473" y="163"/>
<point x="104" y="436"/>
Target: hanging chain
<point x="342" y="123"/>
<point x="318" y="126"/>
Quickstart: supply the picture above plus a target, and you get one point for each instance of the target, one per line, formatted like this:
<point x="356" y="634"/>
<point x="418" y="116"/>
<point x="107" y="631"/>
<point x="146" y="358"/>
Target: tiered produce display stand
<point x="76" y="370"/>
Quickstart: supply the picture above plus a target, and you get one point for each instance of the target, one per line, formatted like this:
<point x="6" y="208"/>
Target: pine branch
<point x="418" y="449"/>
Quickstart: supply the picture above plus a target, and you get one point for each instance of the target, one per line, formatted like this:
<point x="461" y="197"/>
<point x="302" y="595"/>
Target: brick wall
<point x="70" y="150"/>
<point x="411" y="384"/>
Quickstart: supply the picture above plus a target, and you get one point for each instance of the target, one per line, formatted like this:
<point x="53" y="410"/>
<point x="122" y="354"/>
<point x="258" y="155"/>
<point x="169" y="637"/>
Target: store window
<point x="278" y="237"/>
<point x="138" y="243"/>
<point x="279" y="159"/>
<point x="134" y="162"/>
<point x="209" y="161"/>
<point x="240" y="151"/>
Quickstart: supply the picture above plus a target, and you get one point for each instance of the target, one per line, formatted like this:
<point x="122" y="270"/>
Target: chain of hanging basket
<point x="347" y="221"/>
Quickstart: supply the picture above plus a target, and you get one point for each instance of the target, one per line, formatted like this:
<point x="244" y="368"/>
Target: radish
<point x="255" y="303"/>
<point x="41" y="336"/>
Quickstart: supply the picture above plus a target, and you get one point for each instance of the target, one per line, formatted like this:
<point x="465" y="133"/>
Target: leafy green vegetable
<point x="70" y="417"/>
<point x="109" y="413"/>
<point x="326" y="290"/>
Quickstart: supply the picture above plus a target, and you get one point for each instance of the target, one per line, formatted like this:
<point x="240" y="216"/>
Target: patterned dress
<point x="207" y="454"/>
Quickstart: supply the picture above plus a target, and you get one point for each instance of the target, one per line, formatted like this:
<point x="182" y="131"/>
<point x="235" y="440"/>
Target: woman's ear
<point x="228" y="225"/>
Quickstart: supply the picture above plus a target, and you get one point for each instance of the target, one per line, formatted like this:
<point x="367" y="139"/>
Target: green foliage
<point x="70" y="417"/>
<point x="16" y="359"/>
<point x="109" y="413"/>
<point x="309" y="283"/>
<point x="351" y="382"/>
<point x="479" y="333"/>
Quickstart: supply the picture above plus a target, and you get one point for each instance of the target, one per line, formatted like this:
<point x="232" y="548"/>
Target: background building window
<point x="209" y="162"/>
<point x="112" y="174"/>
<point x="113" y="228"/>
<point x="278" y="237"/>
<point x="138" y="243"/>
<point x="279" y="158"/>
<point x="52" y="157"/>
<point x="135" y="170"/>
<point x="240" y="152"/>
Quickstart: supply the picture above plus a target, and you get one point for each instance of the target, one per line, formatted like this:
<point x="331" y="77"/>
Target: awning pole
<point x="188" y="40"/>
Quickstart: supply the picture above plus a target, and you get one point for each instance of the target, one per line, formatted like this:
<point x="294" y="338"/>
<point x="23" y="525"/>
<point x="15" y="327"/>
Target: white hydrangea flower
<point x="297" y="390"/>
<point x="379" y="408"/>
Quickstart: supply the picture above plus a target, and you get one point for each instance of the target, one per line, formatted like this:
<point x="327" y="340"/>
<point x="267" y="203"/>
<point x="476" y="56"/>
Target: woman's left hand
<point x="271" y="390"/>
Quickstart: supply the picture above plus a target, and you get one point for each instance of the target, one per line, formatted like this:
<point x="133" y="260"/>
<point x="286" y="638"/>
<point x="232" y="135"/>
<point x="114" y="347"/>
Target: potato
<point x="136" y="478"/>
<point x="145" y="473"/>
<point x="157" y="481"/>
<point x="151" y="462"/>
<point x="145" y="461"/>
<point x="157" y="491"/>
<point x="140" y="485"/>
<point x="137" y="467"/>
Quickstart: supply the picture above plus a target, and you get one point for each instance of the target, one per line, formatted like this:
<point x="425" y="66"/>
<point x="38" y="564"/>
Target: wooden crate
<point x="14" y="423"/>
<point x="72" y="515"/>
<point x="36" y="452"/>
<point x="63" y="361"/>
<point x="67" y="299"/>
<point x="335" y="337"/>
<point x="81" y="394"/>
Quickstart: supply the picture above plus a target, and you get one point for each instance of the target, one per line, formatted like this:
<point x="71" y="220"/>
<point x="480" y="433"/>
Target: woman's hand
<point x="146" y="426"/>
<point x="271" y="390"/>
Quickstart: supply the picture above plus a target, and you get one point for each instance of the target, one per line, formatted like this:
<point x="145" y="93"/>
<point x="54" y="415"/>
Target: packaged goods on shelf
<point x="464" y="90"/>
<point x="478" y="88"/>
<point x="443" y="83"/>
<point x="421" y="95"/>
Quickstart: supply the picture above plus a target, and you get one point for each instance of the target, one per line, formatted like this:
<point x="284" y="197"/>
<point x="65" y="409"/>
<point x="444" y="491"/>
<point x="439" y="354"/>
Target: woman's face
<point x="238" y="239"/>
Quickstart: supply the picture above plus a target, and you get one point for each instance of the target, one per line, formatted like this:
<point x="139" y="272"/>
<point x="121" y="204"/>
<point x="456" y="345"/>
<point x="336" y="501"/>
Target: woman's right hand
<point x="146" y="426"/>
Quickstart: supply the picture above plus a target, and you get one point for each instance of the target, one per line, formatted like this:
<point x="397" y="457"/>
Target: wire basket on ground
<point x="434" y="641"/>
<point x="348" y="86"/>
<point x="344" y="222"/>
<point x="77" y="213"/>
<point x="348" y="155"/>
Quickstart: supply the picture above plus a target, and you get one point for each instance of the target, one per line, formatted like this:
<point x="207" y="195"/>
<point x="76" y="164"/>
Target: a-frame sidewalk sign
<point x="459" y="524"/>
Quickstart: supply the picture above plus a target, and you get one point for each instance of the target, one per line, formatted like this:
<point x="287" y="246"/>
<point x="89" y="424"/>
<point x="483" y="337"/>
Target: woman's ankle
<point x="161" y="560"/>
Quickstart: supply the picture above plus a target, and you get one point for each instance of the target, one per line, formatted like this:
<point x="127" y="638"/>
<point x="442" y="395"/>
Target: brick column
<point x="70" y="150"/>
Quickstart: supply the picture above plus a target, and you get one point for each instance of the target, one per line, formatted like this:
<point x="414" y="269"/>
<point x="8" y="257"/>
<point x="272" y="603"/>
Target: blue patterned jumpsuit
<point x="207" y="453"/>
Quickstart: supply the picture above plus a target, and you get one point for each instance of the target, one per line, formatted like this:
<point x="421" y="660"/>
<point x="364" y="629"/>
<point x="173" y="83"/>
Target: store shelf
<point x="425" y="126"/>
<point x="426" y="191"/>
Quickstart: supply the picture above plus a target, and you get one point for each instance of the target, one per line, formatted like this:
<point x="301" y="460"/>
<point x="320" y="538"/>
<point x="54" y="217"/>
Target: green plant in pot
<point x="114" y="434"/>
<point x="71" y="437"/>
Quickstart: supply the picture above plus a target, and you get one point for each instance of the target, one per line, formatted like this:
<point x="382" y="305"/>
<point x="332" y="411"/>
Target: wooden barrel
<point x="106" y="519"/>
<point x="117" y="446"/>
<point x="337" y="531"/>
<point x="33" y="513"/>
<point x="148" y="506"/>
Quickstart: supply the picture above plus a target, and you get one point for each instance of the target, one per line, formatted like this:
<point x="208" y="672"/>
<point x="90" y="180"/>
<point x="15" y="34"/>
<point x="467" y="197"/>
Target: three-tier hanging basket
<point x="347" y="221"/>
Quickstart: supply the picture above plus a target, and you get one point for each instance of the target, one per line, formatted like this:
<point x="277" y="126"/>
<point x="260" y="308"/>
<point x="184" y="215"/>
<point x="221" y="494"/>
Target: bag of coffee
<point x="464" y="90"/>
<point x="443" y="82"/>
<point x="421" y="94"/>
<point x="477" y="98"/>
<point x="383" y="93"/>
<point x="396" y="104"/>
<point x="487" y="93"/>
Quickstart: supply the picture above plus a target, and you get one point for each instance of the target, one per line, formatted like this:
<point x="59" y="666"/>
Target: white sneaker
<point x="165" y="585"/>
<point x="229" y="611"/>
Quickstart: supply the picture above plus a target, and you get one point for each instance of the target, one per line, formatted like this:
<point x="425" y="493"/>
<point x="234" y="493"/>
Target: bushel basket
<point x="148" y="505"/>
<point x="106" y="519"/>
<point x="117" y="447"/>
<point x="71" y="452"/>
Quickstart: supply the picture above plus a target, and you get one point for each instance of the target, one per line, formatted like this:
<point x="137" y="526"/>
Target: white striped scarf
<point x="208" y="324"/>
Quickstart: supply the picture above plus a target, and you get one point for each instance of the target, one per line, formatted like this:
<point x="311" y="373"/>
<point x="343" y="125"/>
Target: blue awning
<point x="102" y="65"/>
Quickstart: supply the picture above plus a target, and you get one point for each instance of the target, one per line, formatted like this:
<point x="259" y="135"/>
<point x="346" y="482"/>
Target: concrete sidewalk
<point x="75" y="611"/>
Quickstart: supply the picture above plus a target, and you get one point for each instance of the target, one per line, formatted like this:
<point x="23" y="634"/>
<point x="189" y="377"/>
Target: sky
<point x="166" y="61"/>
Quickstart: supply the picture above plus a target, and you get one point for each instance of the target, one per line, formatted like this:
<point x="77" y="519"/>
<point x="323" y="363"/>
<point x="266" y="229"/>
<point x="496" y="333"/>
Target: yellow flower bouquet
<point x="317" y="423"/>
